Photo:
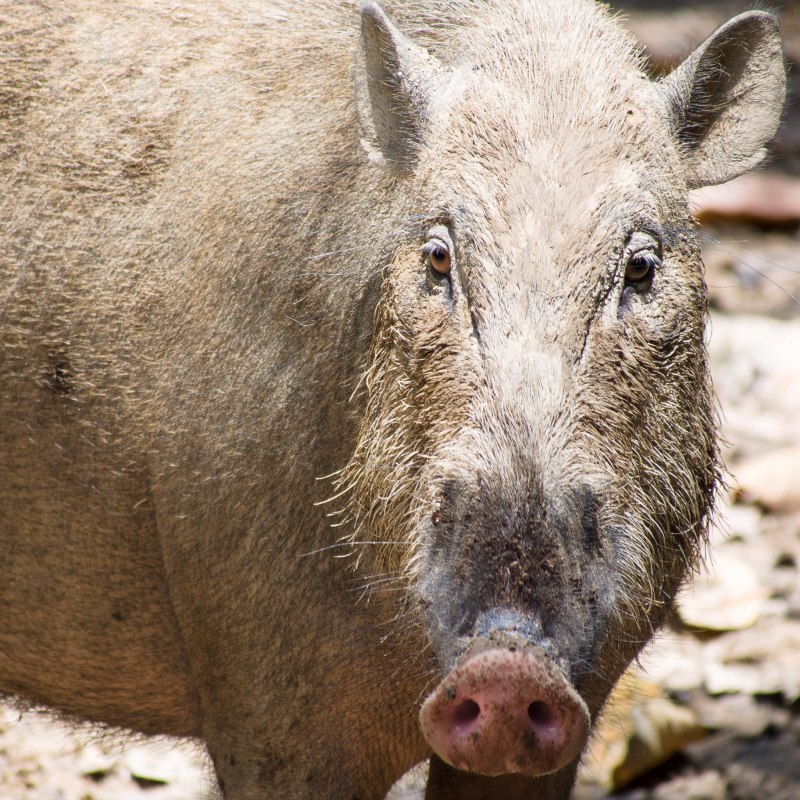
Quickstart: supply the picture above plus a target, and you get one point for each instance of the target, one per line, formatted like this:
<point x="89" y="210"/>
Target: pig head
<point x="537" y="462"/>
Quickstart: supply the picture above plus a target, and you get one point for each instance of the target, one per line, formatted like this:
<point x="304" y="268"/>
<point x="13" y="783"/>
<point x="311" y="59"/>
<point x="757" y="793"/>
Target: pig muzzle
<point x="503" y="709"/>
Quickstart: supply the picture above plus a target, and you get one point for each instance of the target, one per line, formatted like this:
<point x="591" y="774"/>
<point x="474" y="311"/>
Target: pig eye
<point x="640" y="268"/>
<point x="438" y="256"/>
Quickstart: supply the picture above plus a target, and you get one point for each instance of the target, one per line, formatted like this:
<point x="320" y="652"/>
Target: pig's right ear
<point x="725" y="100"/>
<point x="394" y="84"/>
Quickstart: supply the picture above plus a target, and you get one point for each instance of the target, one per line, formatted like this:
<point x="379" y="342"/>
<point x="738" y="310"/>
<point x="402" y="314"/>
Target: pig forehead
<point x="569" y="51"/>
<point x="563" y="207"/>
<point x="497" y="119"/>
<point x="539" y="235"/>
<point x="492" y="135"/>
<point x="555" y="190"/>
<point x="530" y="65"/>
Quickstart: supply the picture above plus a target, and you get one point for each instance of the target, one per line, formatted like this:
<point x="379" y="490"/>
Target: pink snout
<point x="505" y="711"/>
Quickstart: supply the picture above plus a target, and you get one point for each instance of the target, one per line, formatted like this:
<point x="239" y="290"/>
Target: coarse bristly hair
<point x="531" y="49"/>
<point x="217" y="285"/>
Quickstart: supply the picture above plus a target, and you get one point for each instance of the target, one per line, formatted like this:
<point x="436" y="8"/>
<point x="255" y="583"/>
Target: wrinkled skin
<point x="454" y="306"/>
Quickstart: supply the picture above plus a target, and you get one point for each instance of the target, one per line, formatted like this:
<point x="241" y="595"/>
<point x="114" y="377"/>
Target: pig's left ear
<point x="394" y="86"/>
<point x="726" y="99"/>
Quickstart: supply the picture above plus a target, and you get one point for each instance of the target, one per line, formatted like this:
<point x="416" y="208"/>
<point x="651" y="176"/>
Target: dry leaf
<point x="674" y="662"/>
<point x="730" y="597"/>
<point x="158" y="763"/>
<point x="772" y="480"/>
<point x="640" y="729"/>
<point x="760" y="197"/>
<point x="762" y="660"/>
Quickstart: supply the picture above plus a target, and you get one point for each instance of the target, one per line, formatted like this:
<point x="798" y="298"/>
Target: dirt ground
<point x="713" y="710"/>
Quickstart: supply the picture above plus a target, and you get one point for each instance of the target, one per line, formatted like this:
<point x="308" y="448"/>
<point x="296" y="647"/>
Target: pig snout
<point x="505" y="710"/>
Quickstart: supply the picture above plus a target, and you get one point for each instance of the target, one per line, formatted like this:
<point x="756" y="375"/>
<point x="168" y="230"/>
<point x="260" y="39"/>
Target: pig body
<point x="351" y="361"/>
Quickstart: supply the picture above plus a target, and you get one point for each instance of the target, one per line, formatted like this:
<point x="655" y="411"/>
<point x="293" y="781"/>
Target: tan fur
<point x="212" y="295"/>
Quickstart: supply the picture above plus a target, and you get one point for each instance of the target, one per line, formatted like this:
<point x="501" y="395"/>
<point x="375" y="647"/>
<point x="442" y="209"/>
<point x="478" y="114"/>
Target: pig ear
<point x="394" y="82"/>
<point x="726" y="98"/>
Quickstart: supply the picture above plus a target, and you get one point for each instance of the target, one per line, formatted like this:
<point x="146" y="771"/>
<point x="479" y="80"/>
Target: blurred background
<point x="712" y="712"/>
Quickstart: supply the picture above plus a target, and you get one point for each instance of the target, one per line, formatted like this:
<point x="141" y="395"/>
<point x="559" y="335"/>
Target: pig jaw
<point x="505" y="707"/>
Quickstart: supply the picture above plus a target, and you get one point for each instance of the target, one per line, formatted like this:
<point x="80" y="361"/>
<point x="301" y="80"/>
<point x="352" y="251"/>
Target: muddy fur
<point x="225" y="360"/>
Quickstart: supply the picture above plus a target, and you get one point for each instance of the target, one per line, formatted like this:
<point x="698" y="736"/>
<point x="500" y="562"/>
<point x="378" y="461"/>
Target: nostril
<point x="466" y="712"/>
<point x="541" y="715"/>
